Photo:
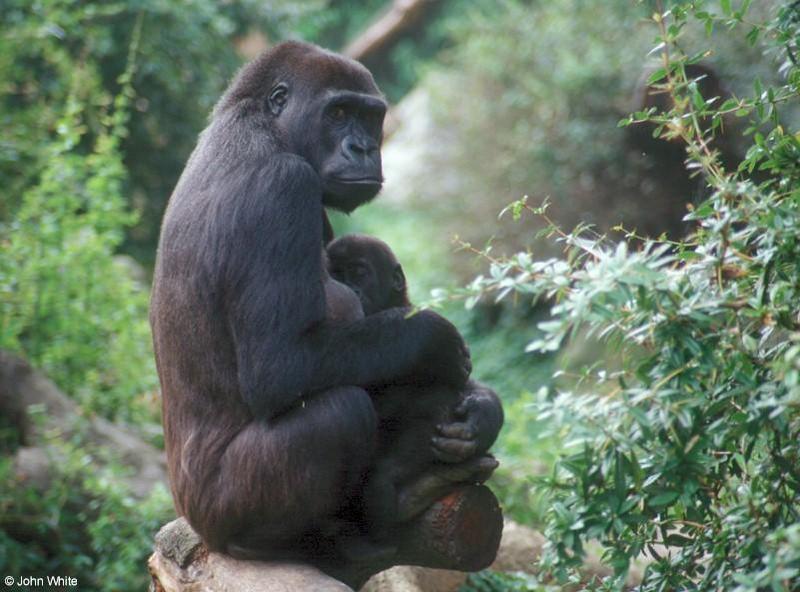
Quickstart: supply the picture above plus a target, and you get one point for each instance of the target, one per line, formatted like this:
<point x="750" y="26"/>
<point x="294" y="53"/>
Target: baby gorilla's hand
<point x="456" y="442"/>
<point x="476" y="422"/>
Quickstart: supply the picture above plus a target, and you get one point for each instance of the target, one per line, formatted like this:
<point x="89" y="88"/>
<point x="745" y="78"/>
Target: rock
<point x="405" y="578"/>
<point x="520" y="549"/>
<point x="460" y="531"/>
<point x="407" y="154"/>
<point x="32" y="467"/>
<point x="177" y="542"/>
<point x="149" y="464"/>
<point x="181" y="563"/>
<point x="22" y="387"/>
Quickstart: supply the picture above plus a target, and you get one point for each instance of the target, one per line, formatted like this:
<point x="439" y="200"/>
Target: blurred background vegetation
<point x="100" y="105"/>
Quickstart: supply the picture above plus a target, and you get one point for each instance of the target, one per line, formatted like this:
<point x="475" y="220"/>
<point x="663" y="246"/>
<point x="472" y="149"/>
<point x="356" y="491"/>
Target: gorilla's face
<point x="338" y="130"/>
<point x="349" y="153"/>
<point x="368" y="267"/>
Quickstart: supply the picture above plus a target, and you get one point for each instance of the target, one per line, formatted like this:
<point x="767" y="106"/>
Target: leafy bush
<point x="187" y="55"/>
<point x="526" y="103"/>
<point x="67" y="302"/>
<point x="489" y="581"/>
<point x="689" y="452"/>
<point x="86" y="524"/>
<point x="70" y="304"/>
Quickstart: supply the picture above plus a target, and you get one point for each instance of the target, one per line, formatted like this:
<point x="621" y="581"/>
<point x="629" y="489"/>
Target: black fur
<point x="267" y="437"/>
<point x="421" y="429"/>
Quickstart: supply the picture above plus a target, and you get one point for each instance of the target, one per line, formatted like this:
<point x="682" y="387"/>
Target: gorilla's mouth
<point x="358" y="180"/>
<point x="356" y="188"/>
<point x="347" y="193"/>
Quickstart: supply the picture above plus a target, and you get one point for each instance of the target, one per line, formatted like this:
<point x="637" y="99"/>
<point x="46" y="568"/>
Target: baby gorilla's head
<point x="368" y="267"/>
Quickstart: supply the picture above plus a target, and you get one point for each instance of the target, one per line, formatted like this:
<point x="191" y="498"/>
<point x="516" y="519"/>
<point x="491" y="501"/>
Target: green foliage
<point x="187" y="55"/>
<point x="67" y="303"/>
<point x="526" y="103"/>
<point x="689" y="452"/>
<point x="490" y="581"/>
<point x="337" y="22"/>
<point x="86" y="524"/>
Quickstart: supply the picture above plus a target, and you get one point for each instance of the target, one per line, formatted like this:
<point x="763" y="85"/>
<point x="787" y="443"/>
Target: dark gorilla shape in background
<point x="268" y="437"/>
<point x="429" y="437"/>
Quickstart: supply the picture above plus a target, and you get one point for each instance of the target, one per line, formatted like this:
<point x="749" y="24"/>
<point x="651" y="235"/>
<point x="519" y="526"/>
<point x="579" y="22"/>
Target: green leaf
<point x="657" y="75"/>
<point x="663" y="499"/>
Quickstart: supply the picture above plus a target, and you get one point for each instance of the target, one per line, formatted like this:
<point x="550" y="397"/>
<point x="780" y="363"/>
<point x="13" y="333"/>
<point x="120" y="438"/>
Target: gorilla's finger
<point x="485" y="467"/>
<point x="453" y="450"/>
<point x="462" y="430"/>
<point x="445" y="457"/>
<point x="462" y="410"/>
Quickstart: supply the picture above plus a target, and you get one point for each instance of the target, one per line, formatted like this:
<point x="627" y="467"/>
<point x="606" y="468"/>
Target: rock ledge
<point x="181" y="563"/>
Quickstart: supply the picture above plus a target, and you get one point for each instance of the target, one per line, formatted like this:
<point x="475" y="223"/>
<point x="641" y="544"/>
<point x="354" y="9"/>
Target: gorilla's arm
<point x="276" y="304"/>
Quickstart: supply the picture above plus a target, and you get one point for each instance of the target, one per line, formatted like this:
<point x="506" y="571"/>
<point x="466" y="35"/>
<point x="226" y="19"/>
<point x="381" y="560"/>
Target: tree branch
<point x="402" y="16"/>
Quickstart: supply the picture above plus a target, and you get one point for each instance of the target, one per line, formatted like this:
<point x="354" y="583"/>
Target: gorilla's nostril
<point x="357" y="147"/>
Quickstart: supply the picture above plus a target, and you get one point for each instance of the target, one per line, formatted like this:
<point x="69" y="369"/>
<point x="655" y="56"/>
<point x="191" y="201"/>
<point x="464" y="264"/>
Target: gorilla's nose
<point x="356" y="148"/>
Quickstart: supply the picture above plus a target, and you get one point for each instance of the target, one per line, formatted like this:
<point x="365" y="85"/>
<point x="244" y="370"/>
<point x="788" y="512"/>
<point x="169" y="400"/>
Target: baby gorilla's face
<point x="368" y="267"/>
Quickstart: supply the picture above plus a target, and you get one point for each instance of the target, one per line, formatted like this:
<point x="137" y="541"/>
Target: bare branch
<point x="402" y="16"/>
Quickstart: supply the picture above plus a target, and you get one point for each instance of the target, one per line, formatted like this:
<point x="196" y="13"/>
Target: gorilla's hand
<point x="477" y="420"/>
<point x="445" y="359"/>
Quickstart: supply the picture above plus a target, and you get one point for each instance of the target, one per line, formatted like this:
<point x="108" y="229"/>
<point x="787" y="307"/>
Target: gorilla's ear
<point x="398" y="279"/>
<point x="277" y="98"/>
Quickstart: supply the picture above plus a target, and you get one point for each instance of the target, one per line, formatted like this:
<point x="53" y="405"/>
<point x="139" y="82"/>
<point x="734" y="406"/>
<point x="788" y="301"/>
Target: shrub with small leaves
<point x="688" y="453"/>
<point x="492" y="581"/>
<point x="86" y="524"/>
<point x="66" y="301"/>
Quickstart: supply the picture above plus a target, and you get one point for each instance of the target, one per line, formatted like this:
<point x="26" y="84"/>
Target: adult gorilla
<point x="267" y="440"/>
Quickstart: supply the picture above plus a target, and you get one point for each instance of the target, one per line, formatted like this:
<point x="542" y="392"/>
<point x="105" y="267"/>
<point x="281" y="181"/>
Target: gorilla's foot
<point x="357" y="559"/>
<point x="460" y="531"/>
<point x="364" y="550"/>
<point x="415" y="498"/>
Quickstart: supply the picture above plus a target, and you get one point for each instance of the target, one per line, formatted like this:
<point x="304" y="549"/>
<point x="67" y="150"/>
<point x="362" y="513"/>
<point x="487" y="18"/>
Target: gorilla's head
<point x="322" y="107"/>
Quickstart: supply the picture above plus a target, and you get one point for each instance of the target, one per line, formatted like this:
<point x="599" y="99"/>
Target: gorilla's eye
<point x="359" y="271"/>
<point x="277" y="98"/>
<point x="338" y="113"/>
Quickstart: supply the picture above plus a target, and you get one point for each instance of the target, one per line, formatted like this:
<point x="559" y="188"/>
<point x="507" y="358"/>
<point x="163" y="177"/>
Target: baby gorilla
<point x="431" y="436"/>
